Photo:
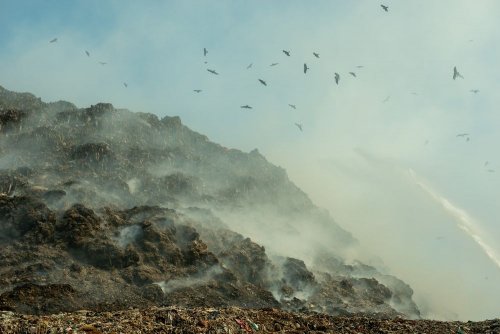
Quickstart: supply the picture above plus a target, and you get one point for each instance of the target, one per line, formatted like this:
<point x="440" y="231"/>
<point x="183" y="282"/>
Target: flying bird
<point x="212" y="71"/>
<point x="462" y="134"/>
<point x="286" y="52"/>
<point x="205" y="51"/>
<point x="274" y="64"/>
<point x="316" y="54"/>
<point x="299" y="126"/>
<point x="360" y="66"/>
<point x="88" y="53"/>
<point x="197" y="90"/>
<point x="384" y="7"/>
<point x="475" y="91"/>
<point x="102" y="63"/>
<point x="125" y="84"/>
<point x="337" y="78"/>
<point x="456" y="74"/>
<point x="305" y="68"/>
<point x="249" y="66"/>
<point x="263" y="82"/>
<point x="246" y="106"/>
<point x="293" y="106"/>
<point x="486" y="163"/>
<point x="386" y="99"/>
<point x="353" y="74"/>
<point x="53" y="40"/>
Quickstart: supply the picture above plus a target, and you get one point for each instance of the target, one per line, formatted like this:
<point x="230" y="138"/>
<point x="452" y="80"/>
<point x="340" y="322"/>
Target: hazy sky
<point x="361" y="138"/>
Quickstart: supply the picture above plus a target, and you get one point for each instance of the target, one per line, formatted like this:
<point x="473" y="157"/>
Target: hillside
<point x="105" y="209"/>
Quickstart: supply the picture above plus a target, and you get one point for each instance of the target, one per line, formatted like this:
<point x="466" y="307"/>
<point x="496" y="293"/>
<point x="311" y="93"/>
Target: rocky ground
<point x="228" y="320"/>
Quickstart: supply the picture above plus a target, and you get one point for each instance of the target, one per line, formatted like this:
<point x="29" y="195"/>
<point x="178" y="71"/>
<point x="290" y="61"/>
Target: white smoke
<point x="465" y="222"/>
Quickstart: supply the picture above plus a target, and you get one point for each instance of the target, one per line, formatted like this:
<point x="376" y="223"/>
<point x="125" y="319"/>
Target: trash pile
<point x="105" y="209"/>
<point x="227" y="320"/>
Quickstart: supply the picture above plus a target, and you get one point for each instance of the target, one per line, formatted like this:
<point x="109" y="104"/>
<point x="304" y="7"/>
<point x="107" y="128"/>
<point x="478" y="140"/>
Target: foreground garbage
<point x="227" y="320"/>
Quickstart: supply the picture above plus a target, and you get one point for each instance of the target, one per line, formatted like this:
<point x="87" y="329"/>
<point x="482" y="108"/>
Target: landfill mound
<point x="105" y="209"/>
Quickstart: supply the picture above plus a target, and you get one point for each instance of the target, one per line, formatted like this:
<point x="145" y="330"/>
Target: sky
<point x="379" y="150"/>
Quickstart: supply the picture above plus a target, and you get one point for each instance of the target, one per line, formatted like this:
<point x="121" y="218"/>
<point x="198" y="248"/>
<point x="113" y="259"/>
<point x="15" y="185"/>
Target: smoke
<point x="187" y="282"/>
<point x="464" y="221"/>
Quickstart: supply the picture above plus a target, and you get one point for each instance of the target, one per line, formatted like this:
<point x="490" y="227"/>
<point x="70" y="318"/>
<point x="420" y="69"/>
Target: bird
<point x="475" y="91"/>
<point x="102" y="63"/>
<point x="337" y="78"/>
<point x="197" y="90"/>
<point x="299" y="126"/>
<point x="205" y="51"/>
<point x="246" y="106"/>
<point x="274" y="64"/>
<point x="386" y="99"/>
<point x="305" y="68"/>
<point x="353" y="74"/>
<point x="53" y="40"/>
<point x="212" y="71"/>
<point x="462" y="134"/>
<point x="286" y="52"/>
<point x="456" y="74"/>
<point x="384" y="7"/>
<point x="88" y="53"/>
<point x="263" y="82"/>
<point x="316" y="54"/>
<point x="360" y="66"/>
<point x="292" y="106"/>
<point x="249" y="66"/>
<point x="125" y="84"/>
<point x="486" y="163"/>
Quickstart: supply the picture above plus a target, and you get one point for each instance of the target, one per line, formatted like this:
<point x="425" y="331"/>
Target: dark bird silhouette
<point x="197" y="90"/>
<point x="353" y="74"/>
<point x="293" y="106"/>
<point x="286" y="52"/>
<point x="299" y="126"/>
<point x="263" y="82"/>
<point x="246" y="106"/>
<point x="125" y="84"/>
<point x="475" y="91"/>
<point x="88" y="53"/>
<point x="212" y="71"/>
<point x="102" y="63"/>
<point x="384" y="7"/>
<point x="274" y="64"/>
<point x="462" y="134"/>
<point x="249" y="66"/>
<point x="360" y="66"/>
<point x="205" y="51"/>
<point x="305" y="68"/>
<point x="337" y="78"/>
<point x="316" y="54"/>
<point x="53" y="40"/>
<point x="456" y="74"/>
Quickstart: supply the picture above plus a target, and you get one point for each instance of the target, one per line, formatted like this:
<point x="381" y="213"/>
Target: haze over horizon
<point x="360" y="139"/>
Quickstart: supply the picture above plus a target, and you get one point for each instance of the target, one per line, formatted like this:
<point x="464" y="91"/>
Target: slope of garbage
<point x="104" y="209"/>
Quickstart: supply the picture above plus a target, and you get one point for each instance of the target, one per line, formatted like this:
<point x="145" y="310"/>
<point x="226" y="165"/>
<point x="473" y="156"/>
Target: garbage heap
<point x="104" y="209"/>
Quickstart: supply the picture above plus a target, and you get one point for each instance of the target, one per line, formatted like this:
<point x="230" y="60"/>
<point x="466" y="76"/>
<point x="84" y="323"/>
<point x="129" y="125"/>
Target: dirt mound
<point x="105" y="209"/>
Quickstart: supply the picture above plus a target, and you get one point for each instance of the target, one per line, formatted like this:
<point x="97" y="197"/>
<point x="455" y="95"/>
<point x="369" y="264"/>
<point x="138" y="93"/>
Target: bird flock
<point x="336" y="78"/>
